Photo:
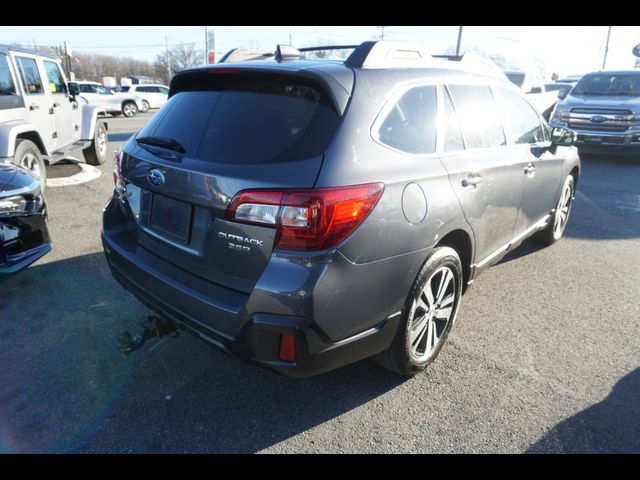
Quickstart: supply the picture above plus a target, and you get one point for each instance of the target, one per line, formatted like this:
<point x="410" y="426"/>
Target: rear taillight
<point x="313" y="219"/>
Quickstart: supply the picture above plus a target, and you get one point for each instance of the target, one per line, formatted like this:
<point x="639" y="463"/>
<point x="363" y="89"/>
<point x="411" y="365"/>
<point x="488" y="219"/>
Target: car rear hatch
<point x="223" y="131"/>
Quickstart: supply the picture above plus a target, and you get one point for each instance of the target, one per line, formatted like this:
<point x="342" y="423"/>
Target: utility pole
<point x="459" y="41"/>
<point x="206" y="46"/>
<point x="167" y="58"/>
<point x="606" y="49"/>
<point x="290" y="41"/>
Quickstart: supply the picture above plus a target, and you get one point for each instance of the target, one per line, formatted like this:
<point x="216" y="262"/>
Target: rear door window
<point x="410" y="126"/>
<point x="246" y="121"/>
<point x="478" y="115"/>
<point x="30" y="75"/>
<point x="522" y="119"/>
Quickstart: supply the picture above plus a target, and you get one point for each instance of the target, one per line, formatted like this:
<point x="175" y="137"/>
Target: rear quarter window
<point x="410" y="125"/>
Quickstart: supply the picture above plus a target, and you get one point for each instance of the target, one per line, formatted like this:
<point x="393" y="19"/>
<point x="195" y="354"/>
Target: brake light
<point x="223" y="70"/>
<point x="307" y="220"/>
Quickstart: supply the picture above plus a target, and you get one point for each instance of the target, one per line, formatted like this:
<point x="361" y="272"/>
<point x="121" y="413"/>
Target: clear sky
<point x="565" y="50"/>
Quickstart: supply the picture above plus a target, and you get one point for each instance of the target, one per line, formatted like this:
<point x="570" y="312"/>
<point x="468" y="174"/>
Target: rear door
<point x="245" y="131"/>
<point x="486" y="181"/>
<point x="37" y="101"/>
<point x="541" y="169"/>
<point x="66" y="118"/>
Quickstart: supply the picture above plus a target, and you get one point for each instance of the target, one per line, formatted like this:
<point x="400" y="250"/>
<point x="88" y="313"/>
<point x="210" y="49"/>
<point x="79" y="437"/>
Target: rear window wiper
<point x="162" y="142"/>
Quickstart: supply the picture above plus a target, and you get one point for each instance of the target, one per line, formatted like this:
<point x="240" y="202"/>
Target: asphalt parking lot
<point x="544" y="356"/>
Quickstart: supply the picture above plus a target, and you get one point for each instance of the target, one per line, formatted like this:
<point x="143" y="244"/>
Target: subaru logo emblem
<point x="598" y="119"/>
<point x="155" y="177"/>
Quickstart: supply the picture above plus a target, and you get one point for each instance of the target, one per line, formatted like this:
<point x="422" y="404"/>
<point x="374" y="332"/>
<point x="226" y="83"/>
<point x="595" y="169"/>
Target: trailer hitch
<point x="152" y="327"/>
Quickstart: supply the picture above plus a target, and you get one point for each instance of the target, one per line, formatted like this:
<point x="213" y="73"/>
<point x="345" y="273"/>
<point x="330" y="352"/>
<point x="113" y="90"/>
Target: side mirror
<point x="535" y="90"/>
<point x="74" y="89"/>
<point x="562" y="94"/>
<point x="563" y="136"/>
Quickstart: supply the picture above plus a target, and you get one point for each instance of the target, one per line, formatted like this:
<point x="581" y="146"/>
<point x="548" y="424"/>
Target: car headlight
<point x="17" y="204"/>
<point x="20" y="205"/>
<point x="559" y="115"/>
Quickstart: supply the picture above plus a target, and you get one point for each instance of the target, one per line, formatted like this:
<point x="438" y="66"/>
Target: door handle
<point x="55" y="105"/>
<point x="33" y="106"/>
<point x="472" y="181"/>
<point x="529" y="169"/>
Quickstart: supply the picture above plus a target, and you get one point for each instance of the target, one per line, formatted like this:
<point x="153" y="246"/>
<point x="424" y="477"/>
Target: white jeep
<point x="42" y="117"/>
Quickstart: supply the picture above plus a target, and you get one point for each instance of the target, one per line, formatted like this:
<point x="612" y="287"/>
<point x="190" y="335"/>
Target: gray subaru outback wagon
<point x="306" y="214"/>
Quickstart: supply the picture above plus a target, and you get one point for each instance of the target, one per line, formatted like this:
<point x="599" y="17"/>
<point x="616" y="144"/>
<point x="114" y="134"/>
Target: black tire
<point x="129" y="109"/>
<point x="550" y="234"/>
<point x="96" y="153"/>
<point x="27" y="155"/>
<point x="400" y="357"/>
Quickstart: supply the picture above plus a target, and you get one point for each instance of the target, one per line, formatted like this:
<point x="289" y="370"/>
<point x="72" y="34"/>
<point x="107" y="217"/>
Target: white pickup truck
<point x="533" y="86"/>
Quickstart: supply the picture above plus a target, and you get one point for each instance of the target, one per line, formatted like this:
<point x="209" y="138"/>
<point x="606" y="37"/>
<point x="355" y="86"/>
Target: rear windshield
<point x="248" y="121"/>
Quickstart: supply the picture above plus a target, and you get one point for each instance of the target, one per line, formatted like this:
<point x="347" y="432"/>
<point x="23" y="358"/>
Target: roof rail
<point x="385" y="54"/>
<point x="328" y="47"/>
<point x="245" y="54"/>
<point x="379" y="54"/>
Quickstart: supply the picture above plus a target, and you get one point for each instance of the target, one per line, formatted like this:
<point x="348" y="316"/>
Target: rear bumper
<point x="258" y="341"/>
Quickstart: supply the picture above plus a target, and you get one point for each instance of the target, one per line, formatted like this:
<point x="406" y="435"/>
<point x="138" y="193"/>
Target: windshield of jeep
<point x="604" y="83"/>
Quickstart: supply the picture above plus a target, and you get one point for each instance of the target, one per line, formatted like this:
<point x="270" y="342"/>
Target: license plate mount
<point x="171" y="218"/>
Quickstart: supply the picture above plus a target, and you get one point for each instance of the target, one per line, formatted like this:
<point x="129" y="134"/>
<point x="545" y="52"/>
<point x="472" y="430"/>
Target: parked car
<point x="534" y="87"/>
<point x="304" y="215"/>
<point x="153" y="96"/>
<point x="562" y="88"/>
<point x="112" y="102"/>
<point x="42" y="119"/>
<point x="603" y="110"/>
<point x="570" y="79"/>
<point x="24" y="237"/>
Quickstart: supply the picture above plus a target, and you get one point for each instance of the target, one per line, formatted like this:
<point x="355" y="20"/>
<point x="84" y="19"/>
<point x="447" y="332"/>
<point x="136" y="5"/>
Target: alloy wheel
<point x="432" y="311"/>
<point x="562" y="210"/>
<point x="30" y="162"/>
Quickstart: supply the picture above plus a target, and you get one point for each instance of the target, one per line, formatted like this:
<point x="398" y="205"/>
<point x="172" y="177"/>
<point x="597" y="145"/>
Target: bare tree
<point x="181" y="56"/>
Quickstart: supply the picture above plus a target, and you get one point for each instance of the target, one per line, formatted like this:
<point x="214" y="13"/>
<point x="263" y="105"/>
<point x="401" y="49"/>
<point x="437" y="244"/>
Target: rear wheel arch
<point x="34" y="137"/>
<point x="462" y="243"/>
<point x="575" y="173"/>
